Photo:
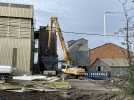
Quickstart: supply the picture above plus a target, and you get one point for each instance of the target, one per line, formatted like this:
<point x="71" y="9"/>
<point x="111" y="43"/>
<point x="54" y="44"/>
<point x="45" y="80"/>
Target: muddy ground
<point x="79" y="95"/>
<point x="81" y="90"/>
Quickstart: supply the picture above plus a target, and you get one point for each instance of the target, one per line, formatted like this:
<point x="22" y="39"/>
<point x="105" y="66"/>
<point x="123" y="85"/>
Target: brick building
<point x="109" y="57"/>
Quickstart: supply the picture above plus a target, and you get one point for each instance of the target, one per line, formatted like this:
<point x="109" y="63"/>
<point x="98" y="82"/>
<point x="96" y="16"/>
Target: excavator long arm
<point x="55" y="24"/>
<point x="54" y="27"/>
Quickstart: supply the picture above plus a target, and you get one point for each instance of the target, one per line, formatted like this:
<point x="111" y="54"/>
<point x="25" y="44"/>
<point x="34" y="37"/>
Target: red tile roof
<point x="108" y="50"/>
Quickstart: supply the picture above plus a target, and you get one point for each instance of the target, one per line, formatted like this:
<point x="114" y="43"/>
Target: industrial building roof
<point x="15" y="5"/>
<point x="16" y="10"/>
<point x="78" y="44"/>
<point x="108" y="51"/>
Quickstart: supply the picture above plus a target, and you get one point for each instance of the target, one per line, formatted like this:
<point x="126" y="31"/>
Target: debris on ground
<point x="35" y="77"/>
<point x="53" y="88"/>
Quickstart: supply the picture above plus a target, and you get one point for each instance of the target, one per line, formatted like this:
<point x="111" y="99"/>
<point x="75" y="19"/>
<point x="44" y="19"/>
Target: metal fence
<point x="99" y="75"/>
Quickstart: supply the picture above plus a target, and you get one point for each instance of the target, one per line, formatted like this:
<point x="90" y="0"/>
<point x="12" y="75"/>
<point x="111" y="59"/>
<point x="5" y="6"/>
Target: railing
<point x="98" y="75"/>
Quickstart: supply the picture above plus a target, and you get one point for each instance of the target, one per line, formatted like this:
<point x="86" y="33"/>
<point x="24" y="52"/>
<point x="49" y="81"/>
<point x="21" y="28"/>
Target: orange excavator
<point x="53" y="26"/>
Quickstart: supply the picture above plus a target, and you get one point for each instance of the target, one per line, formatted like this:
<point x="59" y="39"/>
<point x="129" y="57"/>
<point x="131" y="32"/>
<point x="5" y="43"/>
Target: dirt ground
<point x="81" y="90"/>
<point x="81" y="95"/>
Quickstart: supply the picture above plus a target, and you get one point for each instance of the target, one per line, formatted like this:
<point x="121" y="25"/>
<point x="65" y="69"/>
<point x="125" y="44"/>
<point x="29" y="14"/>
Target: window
<point x="35" y="57"/>
<point x="14" y="57"/>
<point x="99" y="68"/>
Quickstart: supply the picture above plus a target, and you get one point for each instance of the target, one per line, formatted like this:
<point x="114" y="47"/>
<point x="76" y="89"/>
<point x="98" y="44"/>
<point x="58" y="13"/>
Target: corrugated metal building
<point x="79" y="51"/>
<point x="16" y="22"/>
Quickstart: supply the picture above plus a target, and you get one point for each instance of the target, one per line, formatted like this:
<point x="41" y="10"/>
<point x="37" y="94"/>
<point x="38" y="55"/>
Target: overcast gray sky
<point x="79" y="16"/>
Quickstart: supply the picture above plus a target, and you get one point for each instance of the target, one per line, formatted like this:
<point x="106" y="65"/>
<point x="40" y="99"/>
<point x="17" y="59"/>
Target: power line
<point x="76" y="33"/>
<point x="83" y="33"/>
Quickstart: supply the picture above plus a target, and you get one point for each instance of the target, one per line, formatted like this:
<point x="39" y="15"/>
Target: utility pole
<point x="127" y="30"/>
<point x="131" y="66"/>
<point x="127" y="37"/>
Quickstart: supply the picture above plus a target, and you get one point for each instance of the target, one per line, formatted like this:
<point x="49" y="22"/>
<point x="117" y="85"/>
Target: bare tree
<point x="128" y="43"/>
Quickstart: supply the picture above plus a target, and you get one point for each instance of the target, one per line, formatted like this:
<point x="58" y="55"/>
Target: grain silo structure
<point x="79" y="52"/>
<point x="16" y="35"/>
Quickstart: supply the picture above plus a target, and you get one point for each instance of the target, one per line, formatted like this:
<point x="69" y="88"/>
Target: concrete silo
<point x="79" y="52"/>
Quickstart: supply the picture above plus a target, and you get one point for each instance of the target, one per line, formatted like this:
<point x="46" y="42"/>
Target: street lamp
<point x="127" y="19"/>
<point x="108" y="13"/>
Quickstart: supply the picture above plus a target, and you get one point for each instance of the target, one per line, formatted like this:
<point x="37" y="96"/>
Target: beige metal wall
<point x="16" y="10"/>
<point x="16" y="33"/>
<point x="23" y="53"/>
<point x="15" y="28"/>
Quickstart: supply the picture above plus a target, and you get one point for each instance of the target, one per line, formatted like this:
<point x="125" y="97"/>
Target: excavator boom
<point x="54" y="27"/>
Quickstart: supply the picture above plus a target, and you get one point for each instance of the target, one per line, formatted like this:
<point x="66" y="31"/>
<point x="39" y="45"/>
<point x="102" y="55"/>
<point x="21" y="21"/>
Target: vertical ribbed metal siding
<point x="23" y="53"/>
<point x="9" y="10"/>
<point x="16" y="33"/>
<point x="16" y="28"/>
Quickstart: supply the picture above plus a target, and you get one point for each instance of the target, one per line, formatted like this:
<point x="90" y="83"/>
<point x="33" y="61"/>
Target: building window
<point x="35" y="57"/>
<point x="99" y="68"/>
<point x="36" y="43"/>
<point x="14" y="57"/>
